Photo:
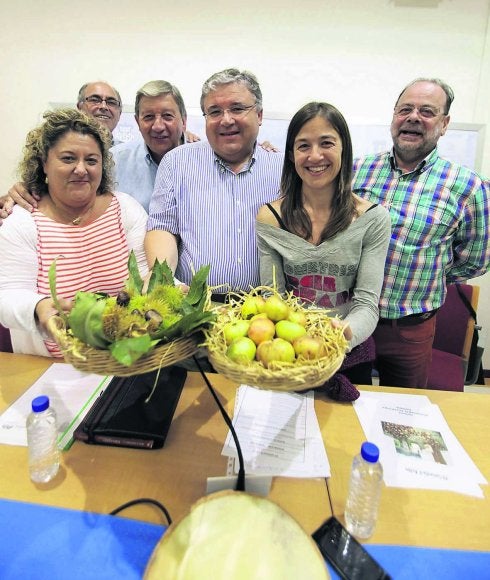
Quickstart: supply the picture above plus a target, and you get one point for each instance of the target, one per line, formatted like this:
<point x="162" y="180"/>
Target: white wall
<point x="355" y="54"/>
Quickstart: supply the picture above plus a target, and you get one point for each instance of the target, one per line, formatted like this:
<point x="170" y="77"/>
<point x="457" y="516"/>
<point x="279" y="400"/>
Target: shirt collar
<point x="248" y="167"/>
<point x="421" y="167"/>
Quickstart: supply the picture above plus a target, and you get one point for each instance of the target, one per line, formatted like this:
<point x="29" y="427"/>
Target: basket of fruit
<point x="275" y="342"/>
<point x="134" y="332"/>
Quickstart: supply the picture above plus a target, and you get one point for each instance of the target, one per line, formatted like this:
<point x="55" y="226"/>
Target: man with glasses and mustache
<point x="440" y="229"/>
<point x="207" y="194"/>
<point x="101" y="101"/>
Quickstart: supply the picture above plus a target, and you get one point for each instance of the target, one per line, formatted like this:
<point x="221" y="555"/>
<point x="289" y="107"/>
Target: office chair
<point x="453" y="339"/>
<point x="5" y="342"/>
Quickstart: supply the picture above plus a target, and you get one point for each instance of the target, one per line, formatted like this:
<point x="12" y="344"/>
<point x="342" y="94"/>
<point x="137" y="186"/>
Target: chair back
<point x="5" y="342"/>
<point x="452" y="340"/>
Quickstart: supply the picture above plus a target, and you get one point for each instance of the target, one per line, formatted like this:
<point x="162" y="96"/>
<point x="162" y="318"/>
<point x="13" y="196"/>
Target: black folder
<point x="121" y="417"/>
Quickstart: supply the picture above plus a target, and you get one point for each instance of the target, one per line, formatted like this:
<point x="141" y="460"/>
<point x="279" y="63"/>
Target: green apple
<point x="279" y="350"/>
<point x="309" y="347"/>
<point x="297" y="316"/>
<point x="235" y="329"/>
<point x="241" y="350"/>
<point x="251" y="306"/>
<point x="288" y="330"/>
<point x="275" y="308"/>
<point x="261" y="329"/>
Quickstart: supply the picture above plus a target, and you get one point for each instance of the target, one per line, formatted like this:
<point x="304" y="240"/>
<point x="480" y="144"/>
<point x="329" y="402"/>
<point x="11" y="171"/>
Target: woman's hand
<point x="45" y="310"/>
<point x="336" y="323"/>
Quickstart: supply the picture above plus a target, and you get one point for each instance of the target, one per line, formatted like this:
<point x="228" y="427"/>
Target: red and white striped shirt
<point x="92" y="258"/>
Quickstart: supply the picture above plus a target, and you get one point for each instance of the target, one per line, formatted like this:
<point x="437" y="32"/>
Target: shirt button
<point x="239" y="260"/>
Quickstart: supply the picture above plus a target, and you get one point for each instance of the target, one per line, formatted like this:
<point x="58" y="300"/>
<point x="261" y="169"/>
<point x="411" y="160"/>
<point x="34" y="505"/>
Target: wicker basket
<point x="92" y="360"/>
<point x="295" y="376"/>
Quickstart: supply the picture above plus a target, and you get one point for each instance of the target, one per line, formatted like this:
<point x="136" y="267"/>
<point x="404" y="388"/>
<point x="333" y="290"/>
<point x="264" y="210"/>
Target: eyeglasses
<point x="425" y="112"/>
<point x="237" y="111"/>
<point x="98" y="100"/>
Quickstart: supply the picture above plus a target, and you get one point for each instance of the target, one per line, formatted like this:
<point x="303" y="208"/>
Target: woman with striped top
<point x="79" y="221"/>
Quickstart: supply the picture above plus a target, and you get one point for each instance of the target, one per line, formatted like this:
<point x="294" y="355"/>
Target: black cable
<point x="240" y="482"/>
<point x="143" y="500"/>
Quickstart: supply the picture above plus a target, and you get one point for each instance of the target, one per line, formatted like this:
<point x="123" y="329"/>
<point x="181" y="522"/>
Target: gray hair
<point x="157" y="89"/>
<point x="233" y="75"/>
<point x="444" y="86"/>
<point x="81" y="92"/>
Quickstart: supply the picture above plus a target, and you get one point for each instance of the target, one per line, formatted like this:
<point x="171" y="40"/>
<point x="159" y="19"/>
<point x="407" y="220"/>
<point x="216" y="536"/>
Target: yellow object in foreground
<point x="235" y="535"/>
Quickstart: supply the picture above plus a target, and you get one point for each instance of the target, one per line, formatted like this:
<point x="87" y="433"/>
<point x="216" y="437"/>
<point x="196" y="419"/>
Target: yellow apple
<point x="261" y="353"/>
<point x="309" y="347"/>
<point x="275" y="308"/>
<point x="288" y="330"/>
<point x="251" y="306"/>
<point x="279" y="350"/>
<point x="297" y="316"/>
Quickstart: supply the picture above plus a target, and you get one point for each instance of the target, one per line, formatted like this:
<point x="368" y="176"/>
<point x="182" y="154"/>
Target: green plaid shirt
<point x="440" y="228"/>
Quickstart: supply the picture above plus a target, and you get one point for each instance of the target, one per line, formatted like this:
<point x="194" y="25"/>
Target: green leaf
<point x="198" y="288"/>
<point x="94" y="333"/>
<point x="161" y="274"/>
<point x="52" y="287"/>
<point x="134" y="283"/>
<point x="186" y="325"/>
<point x="128" y="350"/>
<point x="84" y="301"/>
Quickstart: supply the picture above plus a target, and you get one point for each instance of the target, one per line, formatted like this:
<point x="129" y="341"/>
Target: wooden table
<point x="417" y="517"/>
<point x="98" y="478"/>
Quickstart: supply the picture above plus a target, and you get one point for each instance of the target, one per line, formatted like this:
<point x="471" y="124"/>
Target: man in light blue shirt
<point x="207" y="194"/>
<point x="161" y="117"/>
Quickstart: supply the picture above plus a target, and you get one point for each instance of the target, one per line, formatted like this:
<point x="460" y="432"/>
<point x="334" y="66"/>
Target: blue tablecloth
<point x="38" y="542"/>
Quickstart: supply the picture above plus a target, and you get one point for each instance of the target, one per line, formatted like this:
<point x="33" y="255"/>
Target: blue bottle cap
<point x="369" y="452"/>
<point x="40" y="403"/>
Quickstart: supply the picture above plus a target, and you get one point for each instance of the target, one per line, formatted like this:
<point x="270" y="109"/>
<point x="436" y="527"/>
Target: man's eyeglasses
<point x="424" y="112"/>
<point x="98" y="100"/>
<point x="236" y="112"/>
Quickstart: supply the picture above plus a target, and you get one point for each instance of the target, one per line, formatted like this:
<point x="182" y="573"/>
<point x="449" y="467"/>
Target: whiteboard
<point x="462" y="143"/>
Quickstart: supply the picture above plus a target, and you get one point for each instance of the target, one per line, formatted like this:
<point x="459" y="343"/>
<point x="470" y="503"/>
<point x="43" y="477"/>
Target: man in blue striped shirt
<point x="207" y="194"/>
<point x="440" y="229"/>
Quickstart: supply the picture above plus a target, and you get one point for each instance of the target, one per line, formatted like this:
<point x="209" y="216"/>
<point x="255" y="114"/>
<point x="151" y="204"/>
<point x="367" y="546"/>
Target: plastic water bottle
<point x="361" y="509"/>
<point x="42" y="441"/>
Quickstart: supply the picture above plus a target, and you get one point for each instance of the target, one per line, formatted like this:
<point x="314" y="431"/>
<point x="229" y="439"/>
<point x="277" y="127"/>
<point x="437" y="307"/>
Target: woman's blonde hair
<point x="41" y="139"/>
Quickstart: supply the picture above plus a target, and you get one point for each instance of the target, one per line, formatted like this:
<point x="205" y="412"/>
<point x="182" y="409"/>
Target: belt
<point x="411" y="319"/>
<point x="222" y="298"/>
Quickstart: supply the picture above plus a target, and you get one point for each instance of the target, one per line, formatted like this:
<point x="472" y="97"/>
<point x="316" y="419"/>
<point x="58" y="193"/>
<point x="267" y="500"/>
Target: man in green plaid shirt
<point x="440" y="229"/>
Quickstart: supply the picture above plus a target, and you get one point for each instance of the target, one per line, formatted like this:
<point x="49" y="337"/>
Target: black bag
<point x="474" y="372"/>
<point x="121" y="417"/>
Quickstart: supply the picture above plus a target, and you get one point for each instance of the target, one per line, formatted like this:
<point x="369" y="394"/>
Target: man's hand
<point x="191" y="137"/>
<point x="20" y="195"/>
<point x="268" y="146"/>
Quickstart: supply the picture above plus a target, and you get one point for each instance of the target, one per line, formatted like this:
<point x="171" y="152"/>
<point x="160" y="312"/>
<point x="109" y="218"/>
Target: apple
<point x="241" y="350"/>
<point x="251" y="306"/>
<point x="309" y="347"/>
<point x="279" y="350"/>
<point x="261" y="329"/>
<point x="297" y="316"/>
<point x="288" y="330"/>
<point x="235" y="329"/>
<point x="262" y="350"/>
<point x="275" y="308"/>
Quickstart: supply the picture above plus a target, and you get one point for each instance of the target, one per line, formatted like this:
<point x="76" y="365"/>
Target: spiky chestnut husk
<point x="171" y="295"/>
<point x="119" y="323"/>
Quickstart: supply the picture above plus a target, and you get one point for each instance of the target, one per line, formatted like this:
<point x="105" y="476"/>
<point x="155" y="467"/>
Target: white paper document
<point x="278" y="434"/>
<point x="417" y="447"/>
<point x="71" y="393"/>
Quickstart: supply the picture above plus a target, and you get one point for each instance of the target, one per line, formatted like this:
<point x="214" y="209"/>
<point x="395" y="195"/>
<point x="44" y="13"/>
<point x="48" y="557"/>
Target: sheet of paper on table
<point x="278" y="433"/>
<point x="417" y="447"/>
<point x="71" y="393"/>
